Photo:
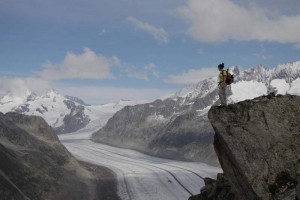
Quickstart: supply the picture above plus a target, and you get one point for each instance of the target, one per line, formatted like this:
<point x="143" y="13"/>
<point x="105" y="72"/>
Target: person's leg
<point x="222" y="95"/>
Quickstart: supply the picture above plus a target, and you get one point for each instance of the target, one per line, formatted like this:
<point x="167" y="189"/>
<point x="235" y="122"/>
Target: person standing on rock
<point x="222" y="84"/>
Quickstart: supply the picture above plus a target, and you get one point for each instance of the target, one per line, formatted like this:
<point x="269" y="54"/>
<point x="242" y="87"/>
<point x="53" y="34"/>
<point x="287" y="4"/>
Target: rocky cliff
<point x="258" y="145"/>
<point x="34" y="165"/>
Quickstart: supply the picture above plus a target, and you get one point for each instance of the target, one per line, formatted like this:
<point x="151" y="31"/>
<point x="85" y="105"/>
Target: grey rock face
<point x="22" y="108"/>
<point x="75" y="120"/>
<point x="171" y="128"/>
<point x="256" y="140"/>
<point x="32" y="97"/>
<point x="77" y="100"/>
<point x="33" y="163"/>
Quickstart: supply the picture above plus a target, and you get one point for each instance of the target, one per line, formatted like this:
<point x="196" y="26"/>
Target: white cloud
<point x="192" y="76"/>
<point x="143" y="73"/>
<point x="152" y="68"/>
<point x="87" y="65"/>
<point x="142" y="76"/>
<point x="19" y="86"/>
<point x="222" y="20"/>
<point x="158" y="33"/>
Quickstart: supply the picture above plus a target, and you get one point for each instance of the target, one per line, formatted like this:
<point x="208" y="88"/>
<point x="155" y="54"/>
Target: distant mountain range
<point x="65" y="114"/>
<point x="178" y="127"/>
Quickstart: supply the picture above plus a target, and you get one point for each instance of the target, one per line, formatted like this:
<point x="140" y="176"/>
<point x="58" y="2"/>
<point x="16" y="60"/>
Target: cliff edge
<point x="258" y="145"/>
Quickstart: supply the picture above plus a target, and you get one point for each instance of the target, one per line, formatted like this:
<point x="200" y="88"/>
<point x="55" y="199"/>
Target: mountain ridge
<point x="178" y="127"/>
<point x="65" y="114"/>
<point x="172" y="127"/>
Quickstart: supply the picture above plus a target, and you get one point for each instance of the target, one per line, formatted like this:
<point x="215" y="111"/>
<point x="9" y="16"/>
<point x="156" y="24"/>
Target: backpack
<point x="229" y="78"/>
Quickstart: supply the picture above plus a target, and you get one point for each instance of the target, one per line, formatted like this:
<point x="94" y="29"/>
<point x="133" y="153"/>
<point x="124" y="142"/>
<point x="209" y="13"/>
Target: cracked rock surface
<point x="256" y="140"/>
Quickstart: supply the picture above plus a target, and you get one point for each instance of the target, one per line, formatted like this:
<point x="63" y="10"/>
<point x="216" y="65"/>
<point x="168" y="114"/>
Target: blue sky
<point x="106" y="50"/>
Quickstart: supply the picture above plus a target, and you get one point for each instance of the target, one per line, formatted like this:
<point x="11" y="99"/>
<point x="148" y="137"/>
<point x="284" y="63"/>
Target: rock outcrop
<point x="34" y="165"/>
<point x="219" y="189"/>
<point x="258" y="145"/>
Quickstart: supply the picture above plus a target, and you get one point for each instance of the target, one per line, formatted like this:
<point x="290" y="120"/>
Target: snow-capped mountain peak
<point x="200" y="89"/>
<point x="249" y="83"/>
<point x="289" y="71"/>
<point x="52" y="93"/>
<point x="31" y="97"/>
<point x="76" y="99"/>
<point x="64" y="113"/>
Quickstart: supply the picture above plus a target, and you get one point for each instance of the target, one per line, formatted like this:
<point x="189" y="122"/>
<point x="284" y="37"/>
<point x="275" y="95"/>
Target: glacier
<point x="140" y="176"/>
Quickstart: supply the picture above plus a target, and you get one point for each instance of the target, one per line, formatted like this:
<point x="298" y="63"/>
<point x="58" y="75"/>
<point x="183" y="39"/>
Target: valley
<point x="139" y="176"/>
<point x="175" y="128"/>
